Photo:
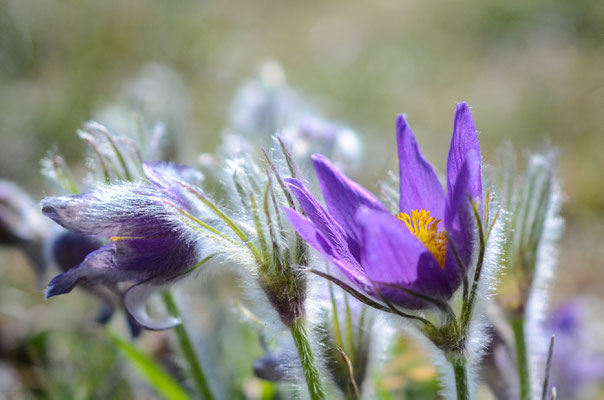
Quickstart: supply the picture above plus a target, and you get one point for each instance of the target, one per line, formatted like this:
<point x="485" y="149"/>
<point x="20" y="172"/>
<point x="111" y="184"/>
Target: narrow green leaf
<point x="220" y="214"/>
<point x="349" y="334"/>
<point x="117" y="151"/>
<point x="167" y="387"/>
<point x="288" y="196"/>
<point x="336" y="320"/>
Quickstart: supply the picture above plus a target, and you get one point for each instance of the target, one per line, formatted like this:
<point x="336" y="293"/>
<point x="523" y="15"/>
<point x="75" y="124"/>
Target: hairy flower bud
<point x="533" y="200"/>
<point x="146" y="241"/>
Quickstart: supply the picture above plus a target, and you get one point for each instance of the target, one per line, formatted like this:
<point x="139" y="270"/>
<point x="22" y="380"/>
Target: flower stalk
<point x="188" y="350"/>
<point x="277" y="253"/>
<point x="461" y="376"/>
<point x="307" y="360"/>
<point x="517" y="324"/>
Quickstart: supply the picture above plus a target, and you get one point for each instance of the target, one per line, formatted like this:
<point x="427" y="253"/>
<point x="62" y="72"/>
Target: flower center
<point x="425" y="228"/>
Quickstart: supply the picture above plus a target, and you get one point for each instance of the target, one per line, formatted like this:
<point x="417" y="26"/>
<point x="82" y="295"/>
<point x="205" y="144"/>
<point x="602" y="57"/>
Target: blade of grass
<point x="167" y="387"/>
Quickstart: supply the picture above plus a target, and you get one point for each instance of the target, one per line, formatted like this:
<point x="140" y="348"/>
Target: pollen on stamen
<point x="118" y="238"/>
<point x="425" y="228"/>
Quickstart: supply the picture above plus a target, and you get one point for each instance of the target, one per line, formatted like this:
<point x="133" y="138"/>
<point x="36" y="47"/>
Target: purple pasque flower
<point x="146" y="242"/>
<point x="399" y="256"/>
<point x="574" y="365"/>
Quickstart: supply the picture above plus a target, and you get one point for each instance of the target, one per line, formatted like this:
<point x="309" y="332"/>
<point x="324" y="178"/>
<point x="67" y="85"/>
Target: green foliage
<point x="150" y="370"/>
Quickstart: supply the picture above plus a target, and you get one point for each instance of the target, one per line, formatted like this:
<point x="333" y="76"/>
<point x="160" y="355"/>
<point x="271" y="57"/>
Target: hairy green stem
<point x="307" y="359"/>
<point x="461" y="377"/>
<point x="517" y="323"/>
<point x="188" y="351"/>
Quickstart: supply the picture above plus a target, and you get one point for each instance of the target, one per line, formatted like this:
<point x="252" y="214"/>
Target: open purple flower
<point x="400" y="256"/>
<point x="146" y="242"/>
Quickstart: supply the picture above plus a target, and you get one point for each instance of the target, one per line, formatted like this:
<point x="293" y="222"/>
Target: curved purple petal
<point x="69" y="249"/>
<point x="420" y="186"/>
<point x="344" y="197"/>
<point x="307" y="230"/>
<point x="323" y="222"/>
<point x="392" y="254"/>
<point x="464" y="141"/>
<point x="460" y="222"/>
<point x="135" y="302"/>
<point x="158" y="260"/>
<point x="97" y="267"/>
<point x="336" y="254"/>
<point x="158" y="257"/>
<point x="113" y="210"/>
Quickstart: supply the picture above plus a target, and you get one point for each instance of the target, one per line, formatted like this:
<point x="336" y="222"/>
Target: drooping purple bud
<point x="146" y="241"/>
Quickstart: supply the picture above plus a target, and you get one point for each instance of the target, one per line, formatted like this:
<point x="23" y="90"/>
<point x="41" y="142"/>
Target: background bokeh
<point x="532" y="72"/>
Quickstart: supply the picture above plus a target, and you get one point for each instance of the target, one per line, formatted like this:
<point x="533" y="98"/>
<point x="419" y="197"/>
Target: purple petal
<point x="323" y="222"/>
<point x="336" y="254"/>
<point x="460" y="222"/>
<point x="69" y="249"/>
<point x="344" y="197"/>
<point x="135" y="301"/>
<point x="97" y="267"/>
<point x="464" y="141"/>
<point x="420" y="187"/>
<point x="307" y="230"/>
<point x="114" y="210"/>
<point x="160" y="259"/>
<point x="392" y="254"/>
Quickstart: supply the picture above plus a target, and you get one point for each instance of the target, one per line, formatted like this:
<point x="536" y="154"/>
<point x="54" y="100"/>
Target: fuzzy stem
<point x="517" y="323"/>
<point x="461" y="377"/>
<point x="188" y="351"/>
<point x="307" y="359"/>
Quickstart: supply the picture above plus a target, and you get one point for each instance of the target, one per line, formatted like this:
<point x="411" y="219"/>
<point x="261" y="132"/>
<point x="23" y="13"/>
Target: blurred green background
<point x="532" y="71"/>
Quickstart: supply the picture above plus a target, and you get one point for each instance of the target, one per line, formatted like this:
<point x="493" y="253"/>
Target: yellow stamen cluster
<point x="425" y="228"/>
